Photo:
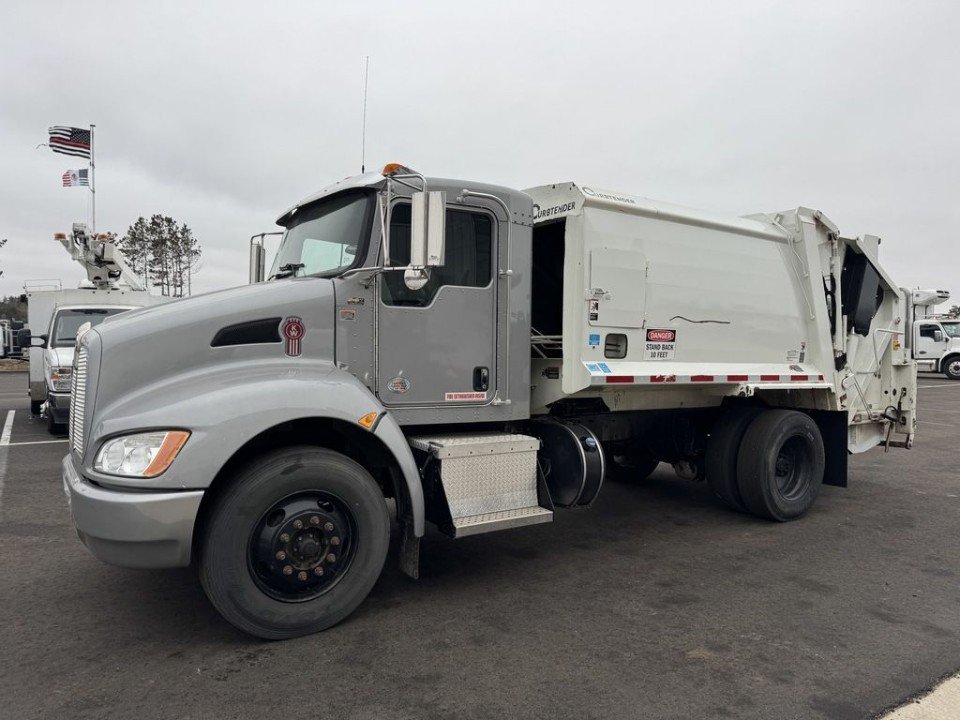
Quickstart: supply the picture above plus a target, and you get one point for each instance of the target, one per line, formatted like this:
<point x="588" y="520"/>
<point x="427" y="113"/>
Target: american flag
<point x="70" y="141"/>
<point x="76" y="178"/>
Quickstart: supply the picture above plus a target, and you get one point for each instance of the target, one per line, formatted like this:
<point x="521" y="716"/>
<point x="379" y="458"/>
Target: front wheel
<point x="951" y="367"/>
<point x="295" y="543"/>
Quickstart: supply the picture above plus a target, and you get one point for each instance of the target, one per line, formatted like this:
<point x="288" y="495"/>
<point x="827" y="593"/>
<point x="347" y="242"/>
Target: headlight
<point x="59" y="378"/>
<point x="143" y="455"/>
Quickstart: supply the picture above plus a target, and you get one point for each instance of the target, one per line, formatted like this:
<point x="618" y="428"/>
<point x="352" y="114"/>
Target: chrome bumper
<point x="132" y="529"/>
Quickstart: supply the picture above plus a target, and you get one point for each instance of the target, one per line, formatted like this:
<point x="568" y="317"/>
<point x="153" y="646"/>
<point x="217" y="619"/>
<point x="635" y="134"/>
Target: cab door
<point x="437" y="346"/>
<point x="929" y="349"/>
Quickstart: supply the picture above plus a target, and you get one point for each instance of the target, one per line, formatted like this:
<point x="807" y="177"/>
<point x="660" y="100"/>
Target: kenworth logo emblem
<point x="293" y="331"/>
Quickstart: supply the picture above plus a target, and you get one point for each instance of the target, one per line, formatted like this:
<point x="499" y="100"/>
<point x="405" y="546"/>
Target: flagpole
<point x="93" y="182"/>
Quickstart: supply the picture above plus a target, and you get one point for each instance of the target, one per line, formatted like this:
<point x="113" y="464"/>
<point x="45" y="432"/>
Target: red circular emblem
<point x="293" y="331"/>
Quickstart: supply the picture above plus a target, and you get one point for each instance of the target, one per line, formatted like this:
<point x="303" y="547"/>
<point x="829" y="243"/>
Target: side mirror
<point x="25" y="339"/>
<point x="428" y="217"/>
<point x="938" y="335"/>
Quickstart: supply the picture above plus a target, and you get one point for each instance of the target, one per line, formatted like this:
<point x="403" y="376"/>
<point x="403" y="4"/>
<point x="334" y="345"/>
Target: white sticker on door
<point x="461" y="396"/>
<point x="660" y="345"/>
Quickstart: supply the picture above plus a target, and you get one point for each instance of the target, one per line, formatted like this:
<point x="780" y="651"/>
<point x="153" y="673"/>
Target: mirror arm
<point x="410" y="176"/>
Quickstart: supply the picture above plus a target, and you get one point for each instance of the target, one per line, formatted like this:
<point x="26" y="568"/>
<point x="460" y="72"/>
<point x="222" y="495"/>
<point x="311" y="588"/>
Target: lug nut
<point x="334" y="541"/>
<point x="298" y="524"/>
<point x="284" y="538"/>
<point x="288" y="570"/>
<point x="302" y="576"/>
<point x="318" y="571"/>
<point x="331" y="558"/>
<point x="315" y="520"/>
<point x="328" y="527"/>
<point x="281" y="555"/>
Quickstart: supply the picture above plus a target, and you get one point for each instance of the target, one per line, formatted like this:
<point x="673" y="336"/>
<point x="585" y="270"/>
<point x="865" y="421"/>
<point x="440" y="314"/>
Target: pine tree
<point x="164" y="252"/>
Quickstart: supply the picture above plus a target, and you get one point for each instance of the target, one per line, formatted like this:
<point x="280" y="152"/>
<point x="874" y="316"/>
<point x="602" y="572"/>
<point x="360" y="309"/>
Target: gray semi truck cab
<point x="482" y="357"/>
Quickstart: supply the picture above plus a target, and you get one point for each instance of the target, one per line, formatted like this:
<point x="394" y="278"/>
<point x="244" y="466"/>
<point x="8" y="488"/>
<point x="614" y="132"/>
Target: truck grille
<point x="78" y="396"/>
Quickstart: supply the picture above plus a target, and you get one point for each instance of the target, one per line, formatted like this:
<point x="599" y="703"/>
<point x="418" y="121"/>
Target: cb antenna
<point x="363" y="128"/>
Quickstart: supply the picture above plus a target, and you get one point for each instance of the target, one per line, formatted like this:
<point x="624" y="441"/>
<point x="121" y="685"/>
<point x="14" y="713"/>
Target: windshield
<point x="67" y="322"/>
<point x="325" y="238"/>
<point x="952" y="329"/>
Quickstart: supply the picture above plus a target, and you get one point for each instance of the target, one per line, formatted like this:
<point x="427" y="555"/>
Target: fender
<point x="226" y="405"/>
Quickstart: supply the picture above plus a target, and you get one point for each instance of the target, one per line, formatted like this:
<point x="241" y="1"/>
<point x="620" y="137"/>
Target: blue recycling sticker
<point x="603" y="367"/>
<point x="592" y="367"/>
<point x="594" y="339"/>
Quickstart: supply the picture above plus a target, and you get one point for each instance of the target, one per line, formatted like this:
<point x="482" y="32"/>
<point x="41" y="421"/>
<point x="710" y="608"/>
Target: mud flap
<point x="833" y="430"/>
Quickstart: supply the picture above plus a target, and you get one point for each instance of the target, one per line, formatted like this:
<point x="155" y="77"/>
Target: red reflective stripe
<point x="663" y="378"/>
<point x="701" y="378"/>
<point x="820" y="378"/>
<point x="769" y="378"/>
<point x="619" y="378"/>
<point x="737" y="378"/>
<point x="799" y="378"/>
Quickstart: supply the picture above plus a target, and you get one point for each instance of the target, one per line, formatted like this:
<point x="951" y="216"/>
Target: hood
<point x="146" y="346"/>
<point x="60" y="356"/>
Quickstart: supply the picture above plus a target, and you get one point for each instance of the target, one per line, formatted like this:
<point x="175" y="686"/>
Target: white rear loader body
<point x="713" y="307"/>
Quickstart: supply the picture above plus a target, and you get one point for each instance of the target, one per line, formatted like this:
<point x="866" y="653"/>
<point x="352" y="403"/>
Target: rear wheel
<point x="295" y="544"/>
<point x="951" y="367"/>
<point x="780" y="464"/>
<point x="721" y="457"/>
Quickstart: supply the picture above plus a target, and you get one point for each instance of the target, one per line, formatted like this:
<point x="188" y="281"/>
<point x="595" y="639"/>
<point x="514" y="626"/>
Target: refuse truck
<point x="474" y="358"/>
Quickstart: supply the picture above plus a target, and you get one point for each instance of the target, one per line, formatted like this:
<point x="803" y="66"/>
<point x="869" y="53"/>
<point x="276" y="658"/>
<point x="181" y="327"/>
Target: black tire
<point x="780" y="465"/>
<point x="35" y="406"/>
<point x="721" y="457"/>
<point x="951" y="367"/>
<point x="257" y="602"/>
<point x="629" y="462"/>
<point x="54" y="428"/>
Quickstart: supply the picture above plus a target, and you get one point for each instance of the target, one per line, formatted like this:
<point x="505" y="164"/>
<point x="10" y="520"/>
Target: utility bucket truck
<point x="486" y="357"/>
<point x="56" y="315"/>
<point x="934" y="339"/>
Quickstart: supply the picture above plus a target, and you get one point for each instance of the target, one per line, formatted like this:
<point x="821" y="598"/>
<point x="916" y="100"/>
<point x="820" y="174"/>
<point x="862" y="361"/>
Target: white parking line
<point x="34" y="442"/>
<point x="5" y="440"/>
<point x="7" y="428"/>
<point x="941" y="385"/>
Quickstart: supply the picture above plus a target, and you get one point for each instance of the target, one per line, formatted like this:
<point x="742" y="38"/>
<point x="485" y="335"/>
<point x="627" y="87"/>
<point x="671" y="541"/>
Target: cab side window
<point x="468" y="256"/>
<point x="927" y="331"/>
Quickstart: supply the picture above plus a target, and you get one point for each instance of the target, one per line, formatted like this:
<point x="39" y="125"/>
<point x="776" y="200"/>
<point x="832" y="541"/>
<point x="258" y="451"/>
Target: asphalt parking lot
<point x="656" y="603"/>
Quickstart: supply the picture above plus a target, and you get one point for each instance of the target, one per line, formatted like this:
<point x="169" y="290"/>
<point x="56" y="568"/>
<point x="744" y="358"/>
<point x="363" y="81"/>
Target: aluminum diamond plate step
<point x="489" y="480"/>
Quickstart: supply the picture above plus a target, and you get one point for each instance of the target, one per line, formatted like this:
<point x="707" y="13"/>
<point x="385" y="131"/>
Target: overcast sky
<point x="224" y="114"/>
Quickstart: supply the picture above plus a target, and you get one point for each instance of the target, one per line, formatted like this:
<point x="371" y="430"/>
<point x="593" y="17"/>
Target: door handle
<point x="481" y="379"/>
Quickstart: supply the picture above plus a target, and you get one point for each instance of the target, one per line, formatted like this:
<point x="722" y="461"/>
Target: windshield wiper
<point x="285" y="271"/>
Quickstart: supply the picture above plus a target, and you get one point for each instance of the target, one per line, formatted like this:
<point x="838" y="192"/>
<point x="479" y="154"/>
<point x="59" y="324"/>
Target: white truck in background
<point x="111" y="288"/>
<point x="935" y="339"/>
